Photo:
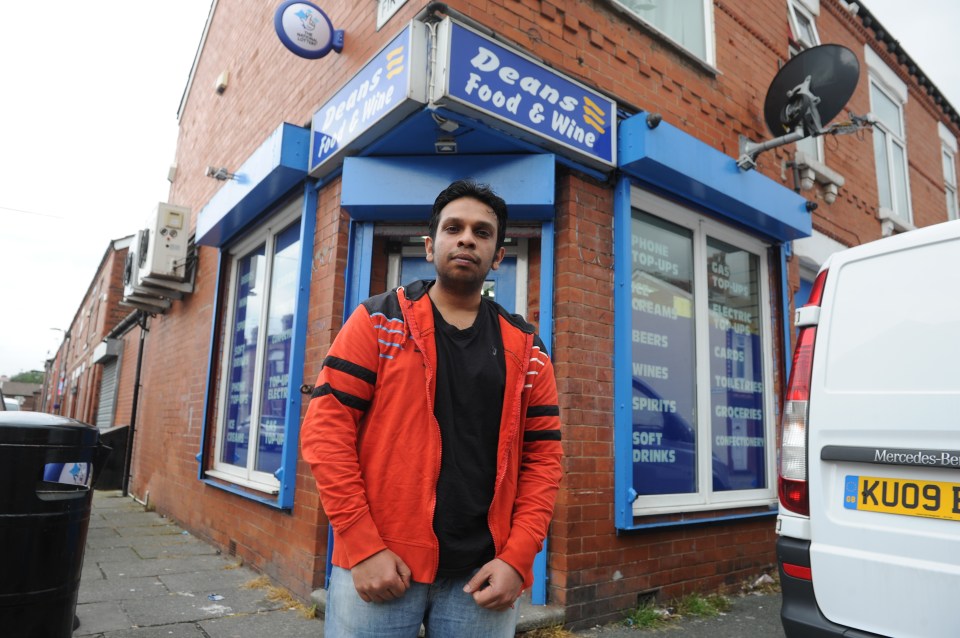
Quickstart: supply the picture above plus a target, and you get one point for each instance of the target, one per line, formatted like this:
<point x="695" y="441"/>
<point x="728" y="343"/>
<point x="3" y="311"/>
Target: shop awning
<point x="273" y="169"/>
<point x="671" y="161"/>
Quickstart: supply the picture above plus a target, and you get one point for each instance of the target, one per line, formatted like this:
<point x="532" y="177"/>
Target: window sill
<point x="813" y="171"/>
<point x="272" y="490"/>
<point x="892" y="223"/>
<point x="686" y="519"/>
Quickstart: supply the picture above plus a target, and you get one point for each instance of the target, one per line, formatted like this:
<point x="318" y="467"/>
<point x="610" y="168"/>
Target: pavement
<point x="145" y="577"/>
<point x="751" y="616"/>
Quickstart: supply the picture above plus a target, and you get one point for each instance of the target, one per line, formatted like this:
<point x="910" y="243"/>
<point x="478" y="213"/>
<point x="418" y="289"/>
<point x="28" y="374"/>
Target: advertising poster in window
<point x="246" y="317"/>
<point x="663" y="363"/>
<point x="736" y="370"/>
<point x="276" y="377"/>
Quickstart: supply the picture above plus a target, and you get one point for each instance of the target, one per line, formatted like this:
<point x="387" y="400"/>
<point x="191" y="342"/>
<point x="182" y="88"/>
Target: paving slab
<point x="185" y="630"/>
<point x="109" y="554"/>
<point x="180" y="607"/>
<point x="163" y="567"/>
<point x="102" y="590"/>
<point x="197" y="582"/>
<point x="96" y="618"/>
<point x="275" y="624"/>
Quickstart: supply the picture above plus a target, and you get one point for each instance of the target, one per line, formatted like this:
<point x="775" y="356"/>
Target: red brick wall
<point x="126" y="376"/>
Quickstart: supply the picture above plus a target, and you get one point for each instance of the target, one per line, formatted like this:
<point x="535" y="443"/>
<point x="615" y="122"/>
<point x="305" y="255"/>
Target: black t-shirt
<point x="471" y="376"/>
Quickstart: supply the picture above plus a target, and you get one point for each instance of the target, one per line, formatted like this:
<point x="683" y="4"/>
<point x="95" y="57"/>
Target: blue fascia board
<point x="404" y="188"/>
<point x="670" y="160"/>
<point x="270" y="172"/>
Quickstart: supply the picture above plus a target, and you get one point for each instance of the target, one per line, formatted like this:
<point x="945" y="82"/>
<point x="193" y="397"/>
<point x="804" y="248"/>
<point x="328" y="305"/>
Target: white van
<point x="869" y="523"/>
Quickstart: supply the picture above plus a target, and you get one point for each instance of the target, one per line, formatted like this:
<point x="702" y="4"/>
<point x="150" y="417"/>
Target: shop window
<point x="948" y="152"/>
<point x="262" y="275"/>
<point x="700" y="419"/>
<point x="688" y="23"/>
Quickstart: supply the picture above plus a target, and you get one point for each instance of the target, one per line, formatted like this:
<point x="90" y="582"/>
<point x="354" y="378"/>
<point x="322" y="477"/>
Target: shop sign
<point x="306" y="30"/>
<point x="390" y="87"/>
<point x="511" y="91"/>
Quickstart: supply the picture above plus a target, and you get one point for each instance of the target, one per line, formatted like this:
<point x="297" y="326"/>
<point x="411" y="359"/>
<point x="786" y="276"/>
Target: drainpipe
<point x="63" y="371"/>
<point x="141" y="319"/>
<point x="125" y="325"/>
<point x="46" y="384"/>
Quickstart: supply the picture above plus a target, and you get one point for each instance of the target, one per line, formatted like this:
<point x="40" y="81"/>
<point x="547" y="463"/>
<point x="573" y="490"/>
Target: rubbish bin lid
<point x="38" y="428"/>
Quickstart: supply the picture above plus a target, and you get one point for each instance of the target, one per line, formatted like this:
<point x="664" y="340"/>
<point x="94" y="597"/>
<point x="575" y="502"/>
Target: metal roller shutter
<point x="108" y="394"/>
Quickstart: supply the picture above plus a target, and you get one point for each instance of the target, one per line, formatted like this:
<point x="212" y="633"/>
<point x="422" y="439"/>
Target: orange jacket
<point x="373" y="442"/>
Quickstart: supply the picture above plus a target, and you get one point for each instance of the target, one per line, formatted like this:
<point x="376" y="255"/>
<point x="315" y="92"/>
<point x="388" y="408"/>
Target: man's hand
<point x="381" y="577"/>
<point x="496" y="586"/>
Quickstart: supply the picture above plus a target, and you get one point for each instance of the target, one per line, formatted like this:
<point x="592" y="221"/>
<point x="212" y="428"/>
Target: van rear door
<point x="884" y="437"/>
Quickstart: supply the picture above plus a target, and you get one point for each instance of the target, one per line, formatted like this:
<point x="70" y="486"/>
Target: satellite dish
<point x="811" y="88"/>
<point x="808" y="92"/>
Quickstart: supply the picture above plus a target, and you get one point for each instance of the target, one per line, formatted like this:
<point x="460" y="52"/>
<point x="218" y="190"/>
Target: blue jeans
<point x="443" y="608"/>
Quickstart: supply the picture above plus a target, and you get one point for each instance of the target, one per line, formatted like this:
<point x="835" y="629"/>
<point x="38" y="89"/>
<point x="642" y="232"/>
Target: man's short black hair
<point x="480" y="192"/>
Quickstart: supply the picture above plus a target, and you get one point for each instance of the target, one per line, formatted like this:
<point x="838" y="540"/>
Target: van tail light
<point x="797" y="571"/>
<point x="792" y="484"/>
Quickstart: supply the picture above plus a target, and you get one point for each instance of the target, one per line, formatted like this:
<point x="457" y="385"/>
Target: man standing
<point x="434" y="437"/>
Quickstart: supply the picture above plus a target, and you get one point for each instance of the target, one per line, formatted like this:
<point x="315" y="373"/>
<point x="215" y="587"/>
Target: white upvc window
<point x="701" y="363"/>
<point x="888" y="96"/>
<point x="255" y="362"/>
<point x="688" y="23"/>
<point x="803" y="24"/>
<point x="948" y="151"/>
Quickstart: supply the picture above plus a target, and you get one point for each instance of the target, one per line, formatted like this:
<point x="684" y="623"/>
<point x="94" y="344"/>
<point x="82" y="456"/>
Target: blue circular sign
<point x="306" y="30"/>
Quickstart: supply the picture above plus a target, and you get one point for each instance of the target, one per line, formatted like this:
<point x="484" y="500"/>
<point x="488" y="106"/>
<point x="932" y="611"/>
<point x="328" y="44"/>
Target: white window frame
<point x="811" y="147"/>
<point x="705" y="498"/>
<point x="265" y="234"/>
<point x="709" y="44"/>
<point x="883" y="79"/>
<point x="809" y="10"/>
<point x="948" y="155"/>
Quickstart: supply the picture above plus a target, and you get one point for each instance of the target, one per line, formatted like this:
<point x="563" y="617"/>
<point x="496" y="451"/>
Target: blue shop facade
<point x="697" y="261"/>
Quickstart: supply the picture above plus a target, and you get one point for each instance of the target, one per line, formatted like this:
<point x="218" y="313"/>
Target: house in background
<point x="25" y="394"/>
<point x="661" y="272"/>
<point x="83" y="378"/>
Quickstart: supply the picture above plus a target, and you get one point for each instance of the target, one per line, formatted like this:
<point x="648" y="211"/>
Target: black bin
<point x="47" y="468"/>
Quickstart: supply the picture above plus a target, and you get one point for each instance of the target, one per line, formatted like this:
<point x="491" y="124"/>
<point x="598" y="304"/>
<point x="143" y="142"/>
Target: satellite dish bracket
<point x="802" y="105"/>
<point x="808" y="92"/>
<point x="749" y="150"/>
